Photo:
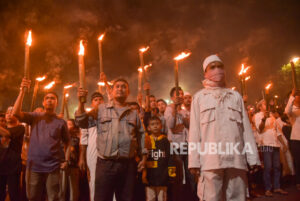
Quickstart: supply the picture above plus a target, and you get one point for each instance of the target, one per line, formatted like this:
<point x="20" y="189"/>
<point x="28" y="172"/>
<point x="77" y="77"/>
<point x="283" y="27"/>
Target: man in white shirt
<point x="271" y="137"/>
<point x="220" y="128"/>
<point x="88" y="139"/>
<point x="293" y="111"/>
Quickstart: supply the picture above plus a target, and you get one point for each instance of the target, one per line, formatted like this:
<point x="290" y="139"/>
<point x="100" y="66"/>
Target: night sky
<point x="264" y="34"/>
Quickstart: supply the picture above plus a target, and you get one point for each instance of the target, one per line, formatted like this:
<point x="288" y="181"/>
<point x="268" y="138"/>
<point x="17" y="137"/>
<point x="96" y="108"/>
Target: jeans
<point x="295" y="149"/>
<point x="37" y="181"/>
<point x="115" y="176"/>
<point x="13" y="183"/>
<point x="271" y="159"/>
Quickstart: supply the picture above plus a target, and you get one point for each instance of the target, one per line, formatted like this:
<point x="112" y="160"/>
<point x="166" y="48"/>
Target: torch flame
<point x="81" y="50"/>
<point x="68" y="86"/>
<point x="233" y="88"/>
<point x="244" y="70"/>
<point x="103" y="84"/>
<point x="144" y="49"/>
<point x="67" y="95"/>
<point x="247" y="78"/>
<point x="88" y="109"/>
<point x="268" y="86"/>
<point x="39" y="79"/>
<point x="50" y="85"/>
<point x="101" y="37"/>
<point x="295" y="59"/>
<point x="182" y="55"/>
<point x="29" y="39"/>
<point x="140" y="69"/>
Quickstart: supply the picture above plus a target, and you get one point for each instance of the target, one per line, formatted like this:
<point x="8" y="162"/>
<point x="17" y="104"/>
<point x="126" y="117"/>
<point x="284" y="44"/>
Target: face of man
<point x="120" y="90"/>
<point x="180" y="96"/>
<point x="9" y="117"/>
<point x="2" y="122"/>
<point x="187" y="100"/>
<point x="161" y="106"/>
<point x="97" y="101"/>
<point x="50" y="102"/>
<point x="214" y="65"/>
<point x="263" y="106"/>
<point x="154" y="126"/>
<point x="153" y="104"/>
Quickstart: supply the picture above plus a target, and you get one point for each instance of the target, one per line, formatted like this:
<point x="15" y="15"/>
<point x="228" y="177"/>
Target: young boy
<point x="158" y="166"/>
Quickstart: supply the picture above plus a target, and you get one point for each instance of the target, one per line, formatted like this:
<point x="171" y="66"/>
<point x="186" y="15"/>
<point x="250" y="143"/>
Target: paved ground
<point x="294" y="195"/>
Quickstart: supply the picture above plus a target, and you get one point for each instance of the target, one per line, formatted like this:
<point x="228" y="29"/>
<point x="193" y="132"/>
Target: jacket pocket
<point x="207" y="114"/>
<point x="235" y="113"/>
<point x="105" y="123"/>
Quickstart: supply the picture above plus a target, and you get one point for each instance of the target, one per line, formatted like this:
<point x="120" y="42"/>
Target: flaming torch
<point x="100" y="38"/>
<point x="267" y="90"/>
<point x="141" y="55"/>
<point x="27" y="48"/>
<point x="294" y="76"/>
<point x="179" y="57"/>
<point x="49" y="86"/>
<point x="82" y="83"/>
<point x="67" y="105"/>
<point x="243" y="78"/>
<point x="35" y="90"/>
<point x="65" y="95"/>
<point x="140" y="70"/>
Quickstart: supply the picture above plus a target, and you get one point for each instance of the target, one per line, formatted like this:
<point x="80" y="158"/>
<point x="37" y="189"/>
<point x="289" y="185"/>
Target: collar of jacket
<point x="110" y="105"/>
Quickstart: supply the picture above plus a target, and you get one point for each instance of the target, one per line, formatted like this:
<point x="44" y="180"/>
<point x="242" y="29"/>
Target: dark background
<point x="261" y="33"/>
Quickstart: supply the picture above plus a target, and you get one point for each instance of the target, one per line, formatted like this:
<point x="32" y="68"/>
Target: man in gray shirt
<point x="120" y="140"/>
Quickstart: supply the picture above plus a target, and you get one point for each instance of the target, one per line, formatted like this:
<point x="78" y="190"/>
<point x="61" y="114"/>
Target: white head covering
<point x="210" y="59"/>
<point x="187" y="93"/>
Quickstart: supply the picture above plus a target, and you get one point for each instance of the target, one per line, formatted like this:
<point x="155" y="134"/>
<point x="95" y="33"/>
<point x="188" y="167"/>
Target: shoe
<point x="280" y="191"/>
<point x="268" y="194"/>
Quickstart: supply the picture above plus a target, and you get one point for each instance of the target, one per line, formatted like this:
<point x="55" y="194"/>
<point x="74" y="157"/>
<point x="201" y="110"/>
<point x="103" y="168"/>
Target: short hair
<point x="50" y="92"/>
<point x="162" y="100"/>
<point x="154" y="118"/>
<point x="74" y="123"/>
<point x="119" y="80"/>
<point x="96" y="94"/>
<point x="2" y="115"/>
<point x="134" y="103"/>
<point x="151" y="96"/>
<point x="173" y="90"/>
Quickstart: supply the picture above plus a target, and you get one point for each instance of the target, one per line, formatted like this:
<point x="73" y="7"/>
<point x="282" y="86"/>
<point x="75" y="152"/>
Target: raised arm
<point x="17" y="110"/>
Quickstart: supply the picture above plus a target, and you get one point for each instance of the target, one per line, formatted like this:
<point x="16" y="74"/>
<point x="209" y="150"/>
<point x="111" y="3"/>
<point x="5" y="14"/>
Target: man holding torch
<point x="293" y="111"/>
<point x="120" y="138"/>
<point x="45" y="154"/>
<point x="221" y="141"/>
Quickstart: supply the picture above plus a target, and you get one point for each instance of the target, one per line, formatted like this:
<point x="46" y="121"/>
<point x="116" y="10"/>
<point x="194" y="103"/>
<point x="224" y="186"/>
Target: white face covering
<point x="214" y="78"/>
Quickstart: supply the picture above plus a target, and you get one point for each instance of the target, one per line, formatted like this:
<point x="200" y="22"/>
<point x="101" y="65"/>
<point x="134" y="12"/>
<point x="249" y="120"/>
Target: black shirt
<point x="11" y="162"/>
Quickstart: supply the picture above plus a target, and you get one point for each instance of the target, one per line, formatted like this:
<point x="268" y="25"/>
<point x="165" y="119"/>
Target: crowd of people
<point x="210" y="146"/>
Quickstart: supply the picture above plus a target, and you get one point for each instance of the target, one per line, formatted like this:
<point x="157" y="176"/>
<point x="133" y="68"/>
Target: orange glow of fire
<point x="103" y="84"/>
<point x="100" y="38"/>
<point x="233" y="88"/>
<point x="81" y="50"/>
<point x="39" y="79"/>
<point x="182" y="55"/>
<point x="50" y="85"/>
<point x="29" y="39"/>
<point x="140" y="69"/>
<point x="67" y="95"/>
<point x="295" y="59"/>
<point x="268" y="86"/>
<point x="244" y="70"/>
<point x="247" y="78"/>
<point x="68" y="86"/>
<point x="144" y="49"/>
<point x="88" y="109"/>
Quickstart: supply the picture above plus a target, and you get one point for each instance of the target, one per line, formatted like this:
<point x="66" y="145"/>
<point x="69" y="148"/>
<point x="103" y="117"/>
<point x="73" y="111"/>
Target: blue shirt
<point x="48" y="132"/>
